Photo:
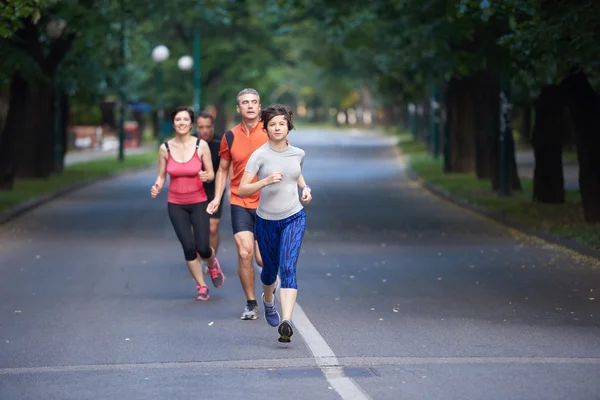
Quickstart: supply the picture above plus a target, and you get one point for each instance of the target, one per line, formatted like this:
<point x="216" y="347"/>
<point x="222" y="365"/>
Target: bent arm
<point x="206" y="158"/>
<point x="247" y="187"/>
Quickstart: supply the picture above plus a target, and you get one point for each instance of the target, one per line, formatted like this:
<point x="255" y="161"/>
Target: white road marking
<point x="326" y="359"/>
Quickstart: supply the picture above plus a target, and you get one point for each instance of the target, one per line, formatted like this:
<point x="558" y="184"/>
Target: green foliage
<point x="547" y="37"/>
<point x="13" y="12"/>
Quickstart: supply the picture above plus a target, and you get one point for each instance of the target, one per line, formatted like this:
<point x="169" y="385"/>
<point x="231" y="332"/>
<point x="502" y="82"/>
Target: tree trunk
<point x="4" y="104"/>
<point x="526" y="121"/>
<point x="17" y="118"/>
<point x="461" y="135"/>
<point x="63" y="115"/>
<point x="35" y="157"/>
<point x="426" y="120"/>
<point x="487" y="103"/>
<point x="584" y="107"/>
<point x="515" y="182"/>
<point x="547" y="140"/>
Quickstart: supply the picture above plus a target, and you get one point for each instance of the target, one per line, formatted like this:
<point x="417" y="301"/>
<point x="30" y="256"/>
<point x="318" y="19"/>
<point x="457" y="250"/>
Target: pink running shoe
<point x="217" y="275"/>
<point x="202" y="293"/>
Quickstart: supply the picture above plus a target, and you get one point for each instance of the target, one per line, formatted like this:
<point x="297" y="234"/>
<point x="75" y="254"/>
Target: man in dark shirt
<point x="205" y="129"/>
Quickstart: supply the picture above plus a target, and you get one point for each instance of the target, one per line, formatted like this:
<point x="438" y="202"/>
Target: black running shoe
<point x="285" y="331"/>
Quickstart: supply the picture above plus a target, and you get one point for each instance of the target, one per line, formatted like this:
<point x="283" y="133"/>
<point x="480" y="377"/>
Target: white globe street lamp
<point x="160" y="53"/>
<point x="55" y="28"/>
<point x="185" y="63"/>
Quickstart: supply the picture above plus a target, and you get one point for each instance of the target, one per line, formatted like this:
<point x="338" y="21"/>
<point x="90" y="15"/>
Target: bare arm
<point x="161" y="178"/>
<point x="221" y="178"/>
<point x="301" y="181"/>
<point x="306" y="196"/>
<point x="248" y="188"/>
<point x="208" y="174"/>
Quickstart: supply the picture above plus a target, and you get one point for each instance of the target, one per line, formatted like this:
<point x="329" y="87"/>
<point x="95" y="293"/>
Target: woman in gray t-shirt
<point x="276" y="170"/>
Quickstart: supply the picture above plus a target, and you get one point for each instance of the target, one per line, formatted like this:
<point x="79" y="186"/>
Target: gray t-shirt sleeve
<point x="254" y="162"/>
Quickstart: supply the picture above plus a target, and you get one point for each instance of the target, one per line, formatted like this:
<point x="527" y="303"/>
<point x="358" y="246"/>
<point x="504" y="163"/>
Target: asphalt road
<point x="402" y="296"/>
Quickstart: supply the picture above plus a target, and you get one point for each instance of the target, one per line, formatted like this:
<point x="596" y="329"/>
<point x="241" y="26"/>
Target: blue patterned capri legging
<point x="279" y="242"/>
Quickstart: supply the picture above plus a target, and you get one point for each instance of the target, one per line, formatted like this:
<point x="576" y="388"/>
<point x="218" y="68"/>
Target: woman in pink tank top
<point x="187" y="161"/>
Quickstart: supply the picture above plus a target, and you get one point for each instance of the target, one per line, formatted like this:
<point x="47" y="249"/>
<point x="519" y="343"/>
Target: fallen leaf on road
<point x="17" y="311"/>
<point x="127" y="339"/>
<point x="210" y="323"/>
<point x="328" y="274"/>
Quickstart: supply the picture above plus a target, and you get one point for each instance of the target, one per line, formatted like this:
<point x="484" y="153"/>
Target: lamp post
<point x="435" y="122"/>
<point x="197" y="76"/>
<point x="185" y="63"/>
<point x="123" y="80"/>
<point x="160" y="54"/>
<point x="54" y="30"/>
<point x="505" y="139"/>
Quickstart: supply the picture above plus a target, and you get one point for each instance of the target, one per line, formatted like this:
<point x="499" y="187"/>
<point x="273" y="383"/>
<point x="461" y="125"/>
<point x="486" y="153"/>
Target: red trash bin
<point x="132" y="134"/>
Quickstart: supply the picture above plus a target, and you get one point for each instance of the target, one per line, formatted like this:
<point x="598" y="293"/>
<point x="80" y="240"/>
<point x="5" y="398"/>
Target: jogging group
<point x="267" y="191"/>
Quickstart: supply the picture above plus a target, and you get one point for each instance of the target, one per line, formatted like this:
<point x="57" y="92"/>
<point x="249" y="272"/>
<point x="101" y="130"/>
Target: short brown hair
<point x="274" y="110"/>
<point x="206" y="114"/>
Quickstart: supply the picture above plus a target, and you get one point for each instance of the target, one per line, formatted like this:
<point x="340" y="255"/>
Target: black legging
<point x="187" y="216"/>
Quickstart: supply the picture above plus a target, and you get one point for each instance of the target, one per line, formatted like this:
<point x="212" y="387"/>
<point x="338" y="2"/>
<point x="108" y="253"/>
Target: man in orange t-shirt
<point x="246" y="137"/>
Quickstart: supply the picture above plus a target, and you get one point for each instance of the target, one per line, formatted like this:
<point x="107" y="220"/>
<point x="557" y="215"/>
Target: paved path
<point x="402" y="296"/>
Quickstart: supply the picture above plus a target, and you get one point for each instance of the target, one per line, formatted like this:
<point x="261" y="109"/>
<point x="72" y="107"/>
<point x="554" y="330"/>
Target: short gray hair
<point x="246" y="91"/>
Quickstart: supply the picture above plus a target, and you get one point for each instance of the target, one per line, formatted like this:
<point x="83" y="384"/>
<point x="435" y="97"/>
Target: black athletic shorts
<point x="242" y="219"/>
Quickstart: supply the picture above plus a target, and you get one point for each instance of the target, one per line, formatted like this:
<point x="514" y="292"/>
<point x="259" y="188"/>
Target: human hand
<point x="203" y="175"/>
<point x="274" y="177"/>
<point x="306" y="196"/>
<point x="213" y="206"/>
<point x="155" y="190"/>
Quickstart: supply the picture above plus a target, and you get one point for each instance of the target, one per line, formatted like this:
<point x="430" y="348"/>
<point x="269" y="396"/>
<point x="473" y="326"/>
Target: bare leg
<point x="268" y="291"/>
<point x="257" y="254"/>
<point x="288" y="301"/>
<point x="195" y="267"/>
<point x="215" y="238"/>
<point x="245" y="246"/>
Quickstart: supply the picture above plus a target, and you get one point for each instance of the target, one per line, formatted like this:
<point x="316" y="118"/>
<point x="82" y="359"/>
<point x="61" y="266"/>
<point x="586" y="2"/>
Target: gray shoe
<point x="250" y="313"/>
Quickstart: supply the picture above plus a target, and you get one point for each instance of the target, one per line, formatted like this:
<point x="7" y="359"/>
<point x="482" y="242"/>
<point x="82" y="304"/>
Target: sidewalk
<point x="526" y="164"/>
<point x="80" y="156"/>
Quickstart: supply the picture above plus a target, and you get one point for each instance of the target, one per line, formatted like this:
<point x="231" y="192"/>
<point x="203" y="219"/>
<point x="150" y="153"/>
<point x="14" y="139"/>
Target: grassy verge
<point x="563" y="220"/>
<point x="28" y="189"/>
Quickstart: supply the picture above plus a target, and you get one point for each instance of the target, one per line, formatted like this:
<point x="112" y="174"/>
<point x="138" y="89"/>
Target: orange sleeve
<point x="224" y="149"/>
